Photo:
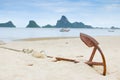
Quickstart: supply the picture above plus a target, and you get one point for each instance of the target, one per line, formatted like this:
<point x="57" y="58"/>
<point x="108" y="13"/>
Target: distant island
<point x="8" y="24"/>
<point x="62" y="23"/>
<point x="32" y="24"/>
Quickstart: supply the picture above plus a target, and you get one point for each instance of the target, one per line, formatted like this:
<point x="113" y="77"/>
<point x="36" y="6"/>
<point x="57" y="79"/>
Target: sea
<point x="10" y="34"/>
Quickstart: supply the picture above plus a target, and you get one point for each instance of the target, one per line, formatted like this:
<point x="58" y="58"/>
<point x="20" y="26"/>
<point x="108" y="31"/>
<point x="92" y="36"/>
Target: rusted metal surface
<point x="91" y="42"/>
<point x="66" y="59"/>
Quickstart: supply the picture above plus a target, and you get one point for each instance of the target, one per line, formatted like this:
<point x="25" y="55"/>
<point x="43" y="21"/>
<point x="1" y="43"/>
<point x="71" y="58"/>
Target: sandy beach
<point x="19" y="59"/>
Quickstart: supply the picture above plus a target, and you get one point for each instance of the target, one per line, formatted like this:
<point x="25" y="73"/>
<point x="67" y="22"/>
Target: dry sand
<point x="23" y="66"/>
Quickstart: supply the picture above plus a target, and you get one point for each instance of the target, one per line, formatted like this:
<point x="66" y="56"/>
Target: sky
<point x="97" y="13"/>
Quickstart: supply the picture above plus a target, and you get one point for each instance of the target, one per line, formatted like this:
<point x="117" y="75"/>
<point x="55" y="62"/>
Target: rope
<point x="11" y="49"/>
<point x="23" y="50"/>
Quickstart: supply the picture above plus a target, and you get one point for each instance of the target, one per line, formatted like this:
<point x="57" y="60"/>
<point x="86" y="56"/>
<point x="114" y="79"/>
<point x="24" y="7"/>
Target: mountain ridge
<point x="65" y="23"/>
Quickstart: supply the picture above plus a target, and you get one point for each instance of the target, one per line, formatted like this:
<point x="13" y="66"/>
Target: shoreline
<point x="46" y="38"/>
<point x="52" y="38"/>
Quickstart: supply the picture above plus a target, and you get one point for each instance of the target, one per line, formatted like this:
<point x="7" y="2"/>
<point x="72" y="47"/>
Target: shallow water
<point x="8" y="34"/>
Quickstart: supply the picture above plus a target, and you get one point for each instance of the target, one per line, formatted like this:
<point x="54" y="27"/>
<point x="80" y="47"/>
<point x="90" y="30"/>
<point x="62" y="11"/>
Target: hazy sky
<point x="98" y="13"/>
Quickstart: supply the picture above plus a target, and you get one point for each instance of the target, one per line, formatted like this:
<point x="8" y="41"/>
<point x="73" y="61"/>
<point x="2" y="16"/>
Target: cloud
<point x="112" y="7"/>
<point x="44" y="10"/>
<point x="60" y="6"/>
